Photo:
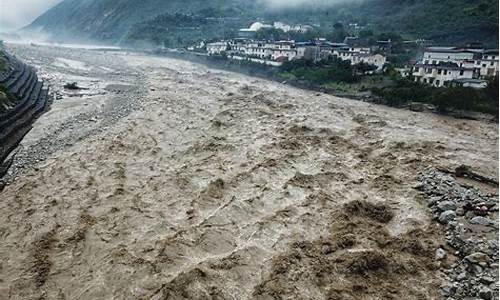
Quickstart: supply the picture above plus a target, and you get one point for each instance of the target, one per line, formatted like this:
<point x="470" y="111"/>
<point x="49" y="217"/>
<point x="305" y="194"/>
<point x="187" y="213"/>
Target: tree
<point x="339" y="33"/>
<point x="366" y="33"/>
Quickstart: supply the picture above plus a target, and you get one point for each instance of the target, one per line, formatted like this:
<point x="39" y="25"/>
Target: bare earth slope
<point x="215" y="185"/>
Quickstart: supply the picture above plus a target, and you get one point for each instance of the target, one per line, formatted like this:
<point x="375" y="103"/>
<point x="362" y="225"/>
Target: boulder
<point x="447" y="205"/>
<point x="486" y="293"/>
<point x="479" y="220"/>
<point x="477" y="257"/>
<point x="447" y="216"/>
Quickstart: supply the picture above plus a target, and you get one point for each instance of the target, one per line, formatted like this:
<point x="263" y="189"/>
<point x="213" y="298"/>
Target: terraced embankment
<point x="31" y="100"/>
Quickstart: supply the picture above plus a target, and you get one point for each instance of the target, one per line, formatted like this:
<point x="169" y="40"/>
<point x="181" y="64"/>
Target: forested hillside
<point x="111" y="20"/>
<point x="446" y="21"/>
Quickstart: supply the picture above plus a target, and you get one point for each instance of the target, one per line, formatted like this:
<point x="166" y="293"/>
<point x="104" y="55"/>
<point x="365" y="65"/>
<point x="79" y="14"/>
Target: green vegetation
<point x="399" y="53"/>
<point x="446" y="99"/>
<point x="332" y="70"/>
<point x="444" y="21"/>
<point x="278" y="34"/>
<point x="178" y="30"/>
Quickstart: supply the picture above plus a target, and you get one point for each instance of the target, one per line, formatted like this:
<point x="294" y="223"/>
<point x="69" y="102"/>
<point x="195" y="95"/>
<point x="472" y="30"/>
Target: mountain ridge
<point x="447" y="21"/>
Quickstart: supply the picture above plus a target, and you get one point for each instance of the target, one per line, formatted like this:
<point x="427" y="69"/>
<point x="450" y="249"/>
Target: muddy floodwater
<point x="164" y="179"/>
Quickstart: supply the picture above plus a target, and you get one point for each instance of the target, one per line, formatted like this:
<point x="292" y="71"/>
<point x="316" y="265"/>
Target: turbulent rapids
<point x="165" y="179"/>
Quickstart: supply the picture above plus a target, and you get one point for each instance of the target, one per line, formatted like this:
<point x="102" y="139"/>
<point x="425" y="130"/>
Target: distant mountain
<point x="110" y="20"/>
<point x="154" y="21"/>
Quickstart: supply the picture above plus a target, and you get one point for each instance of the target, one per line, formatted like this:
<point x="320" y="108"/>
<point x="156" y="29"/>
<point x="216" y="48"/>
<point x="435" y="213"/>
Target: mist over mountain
<point x="106" y="20"/>
<point x="15" y="14"/>
<point x="116" y="21"/>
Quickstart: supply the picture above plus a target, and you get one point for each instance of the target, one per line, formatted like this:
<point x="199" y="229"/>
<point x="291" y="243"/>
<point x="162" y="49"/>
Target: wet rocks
<point x="477" y="258"/>
<point x="447" y="216"/>
<point x="485" y="293"/>
<point x="479" y="220"/>
<point x="447" y="206"/>
<point x="470" y="222"/>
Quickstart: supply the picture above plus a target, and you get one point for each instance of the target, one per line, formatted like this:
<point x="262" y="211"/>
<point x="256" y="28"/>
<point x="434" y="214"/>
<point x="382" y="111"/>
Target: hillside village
<point x="468" y="66"/>
<point x="277" y="52"/>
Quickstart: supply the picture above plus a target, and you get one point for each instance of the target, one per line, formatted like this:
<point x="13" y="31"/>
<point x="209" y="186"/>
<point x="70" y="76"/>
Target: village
<point x="465" y="66"/>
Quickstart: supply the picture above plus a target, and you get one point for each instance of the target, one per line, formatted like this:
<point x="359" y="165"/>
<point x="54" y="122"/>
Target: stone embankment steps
<point x="33" y="99"/>
<point x="25" y="104"/>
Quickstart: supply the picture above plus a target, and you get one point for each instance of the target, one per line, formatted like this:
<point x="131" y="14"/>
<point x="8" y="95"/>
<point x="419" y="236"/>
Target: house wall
<point x="488" y="66"/>
<point x="440" y="76"/>
<point x="436" y="57"/>
<point x="216" y="48"/>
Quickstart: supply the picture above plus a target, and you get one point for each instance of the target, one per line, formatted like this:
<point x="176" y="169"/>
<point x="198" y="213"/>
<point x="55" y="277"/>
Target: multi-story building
<point x="484" y="62"/>
<point x="439" y="75"/>
<point x="454" y="66"/>
<point x="258" y="49"/>
<point x="217" y="47"/>
<point x="377" y="60"/>
<point x="439" y="55"/>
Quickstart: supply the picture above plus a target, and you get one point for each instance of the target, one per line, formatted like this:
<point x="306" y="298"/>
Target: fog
<point x="15" y="14"/>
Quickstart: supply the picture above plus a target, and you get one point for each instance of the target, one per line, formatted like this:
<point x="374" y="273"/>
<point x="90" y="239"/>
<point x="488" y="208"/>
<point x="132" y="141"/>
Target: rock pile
<point x="470" y="218"/>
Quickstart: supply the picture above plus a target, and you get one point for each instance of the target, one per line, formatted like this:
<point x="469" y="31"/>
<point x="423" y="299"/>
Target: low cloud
<point x="15" y="14"/>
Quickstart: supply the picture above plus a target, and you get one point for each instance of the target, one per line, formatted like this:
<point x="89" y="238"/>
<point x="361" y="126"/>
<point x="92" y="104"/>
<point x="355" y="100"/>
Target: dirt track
<point x="222" y="186"/>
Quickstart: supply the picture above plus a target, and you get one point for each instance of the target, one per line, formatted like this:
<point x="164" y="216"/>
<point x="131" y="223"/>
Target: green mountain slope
<point x="445" y="21"/>
<point x="110" y="20"/>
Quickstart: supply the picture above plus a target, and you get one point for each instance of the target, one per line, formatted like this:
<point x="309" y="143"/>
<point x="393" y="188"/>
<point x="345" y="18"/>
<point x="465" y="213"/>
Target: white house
<point x="440" y="75"/>
<point x="474" y="63"/>
<point x="217" y="48"/>
<point x="328" y="49"/>
<point x="361" y="55"/>
<point x="437" y="55"/>
<point x="258" y="49"/>
<point x="489" y="63"/>
<point x="377" y="60"/>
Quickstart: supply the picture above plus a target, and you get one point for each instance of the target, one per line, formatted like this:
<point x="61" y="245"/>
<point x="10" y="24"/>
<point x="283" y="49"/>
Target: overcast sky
<point x="15" y="14"/>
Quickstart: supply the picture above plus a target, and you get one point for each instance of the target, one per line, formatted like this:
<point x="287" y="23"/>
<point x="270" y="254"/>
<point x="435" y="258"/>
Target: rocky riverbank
<point x="469" y="216"/>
